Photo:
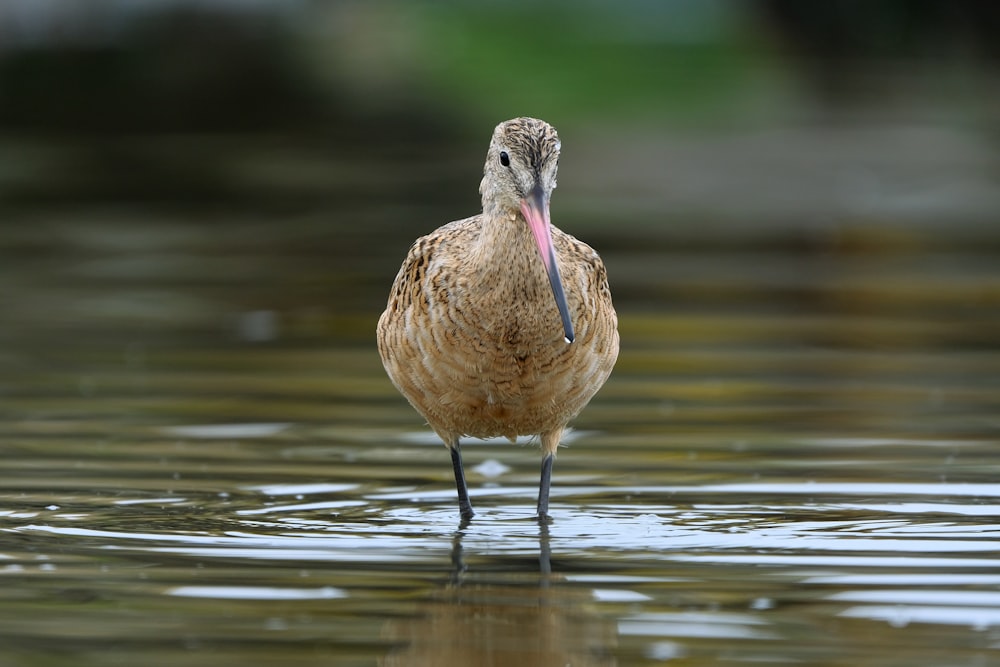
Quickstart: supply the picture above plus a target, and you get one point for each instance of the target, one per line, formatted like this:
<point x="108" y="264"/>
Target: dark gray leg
<point x="464" y="506"/>
<point x="543" y="488"/>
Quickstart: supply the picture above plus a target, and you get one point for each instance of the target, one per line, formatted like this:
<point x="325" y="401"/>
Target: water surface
<point x="795" y="462"/>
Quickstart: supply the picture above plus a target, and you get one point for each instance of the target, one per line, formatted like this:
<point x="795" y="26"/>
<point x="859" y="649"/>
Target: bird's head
<point x="521" y="164"/>
<point x="519" y="176"/>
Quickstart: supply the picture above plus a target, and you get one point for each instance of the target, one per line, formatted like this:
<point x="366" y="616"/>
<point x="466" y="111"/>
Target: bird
<point x="501" y="324"/>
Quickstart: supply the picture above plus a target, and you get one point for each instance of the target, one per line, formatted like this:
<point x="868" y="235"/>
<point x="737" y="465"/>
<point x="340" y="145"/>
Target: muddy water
<point x="796" y="461"/>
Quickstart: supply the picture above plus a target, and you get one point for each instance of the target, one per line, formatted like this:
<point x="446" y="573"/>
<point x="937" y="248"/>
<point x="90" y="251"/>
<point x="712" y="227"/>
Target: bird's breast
<point x="475" y="340"/>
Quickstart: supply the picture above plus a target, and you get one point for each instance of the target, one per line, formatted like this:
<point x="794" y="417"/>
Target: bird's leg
<point x="550" y="441"/>
<point x="464" y="506"/>
<point x="543" y="489"/>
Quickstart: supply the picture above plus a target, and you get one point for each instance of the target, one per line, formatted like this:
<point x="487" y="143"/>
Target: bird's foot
<point x="542" y="518"/>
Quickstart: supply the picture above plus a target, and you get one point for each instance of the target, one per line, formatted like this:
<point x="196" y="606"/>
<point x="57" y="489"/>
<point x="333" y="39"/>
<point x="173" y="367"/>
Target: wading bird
<point x="501" y="324"/>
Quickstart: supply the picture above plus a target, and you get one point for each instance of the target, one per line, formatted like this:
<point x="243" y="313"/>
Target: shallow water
<point x="796" y="461"/>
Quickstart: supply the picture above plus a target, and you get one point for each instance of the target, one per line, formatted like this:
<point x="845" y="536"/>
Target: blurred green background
<point x="195" y="161"/>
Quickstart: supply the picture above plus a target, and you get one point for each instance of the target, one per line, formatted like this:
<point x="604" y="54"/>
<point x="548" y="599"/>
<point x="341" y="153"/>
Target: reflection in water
<point x="470" y="622"/>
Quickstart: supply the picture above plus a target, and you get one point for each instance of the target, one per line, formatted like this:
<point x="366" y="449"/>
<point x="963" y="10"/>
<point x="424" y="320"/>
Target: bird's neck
<point x="506" y="251"/>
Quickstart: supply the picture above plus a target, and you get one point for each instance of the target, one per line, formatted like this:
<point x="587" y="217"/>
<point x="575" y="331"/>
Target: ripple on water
<point x="766" y="547"/>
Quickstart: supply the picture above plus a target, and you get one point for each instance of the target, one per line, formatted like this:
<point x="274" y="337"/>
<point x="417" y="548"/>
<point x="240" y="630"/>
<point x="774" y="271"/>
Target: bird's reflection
<point x="503" y="618"/>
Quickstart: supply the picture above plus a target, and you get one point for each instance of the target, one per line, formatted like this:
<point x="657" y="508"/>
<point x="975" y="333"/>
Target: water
<point x="795" y="462"/>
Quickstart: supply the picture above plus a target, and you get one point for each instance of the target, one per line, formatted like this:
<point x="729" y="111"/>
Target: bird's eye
<point x="504" y="158"/>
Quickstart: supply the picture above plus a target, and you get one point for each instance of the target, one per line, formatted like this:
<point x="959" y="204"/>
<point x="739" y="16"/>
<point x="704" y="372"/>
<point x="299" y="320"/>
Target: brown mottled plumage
<point x="479" y="335"/>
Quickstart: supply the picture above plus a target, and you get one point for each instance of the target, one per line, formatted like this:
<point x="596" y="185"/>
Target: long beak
<point x="535" y="208"/>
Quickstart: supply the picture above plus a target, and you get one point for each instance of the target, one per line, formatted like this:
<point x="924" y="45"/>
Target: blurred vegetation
<point x="175" y="71"/>
<point x="179" y="101"/>
<point x="591" y="64"/>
